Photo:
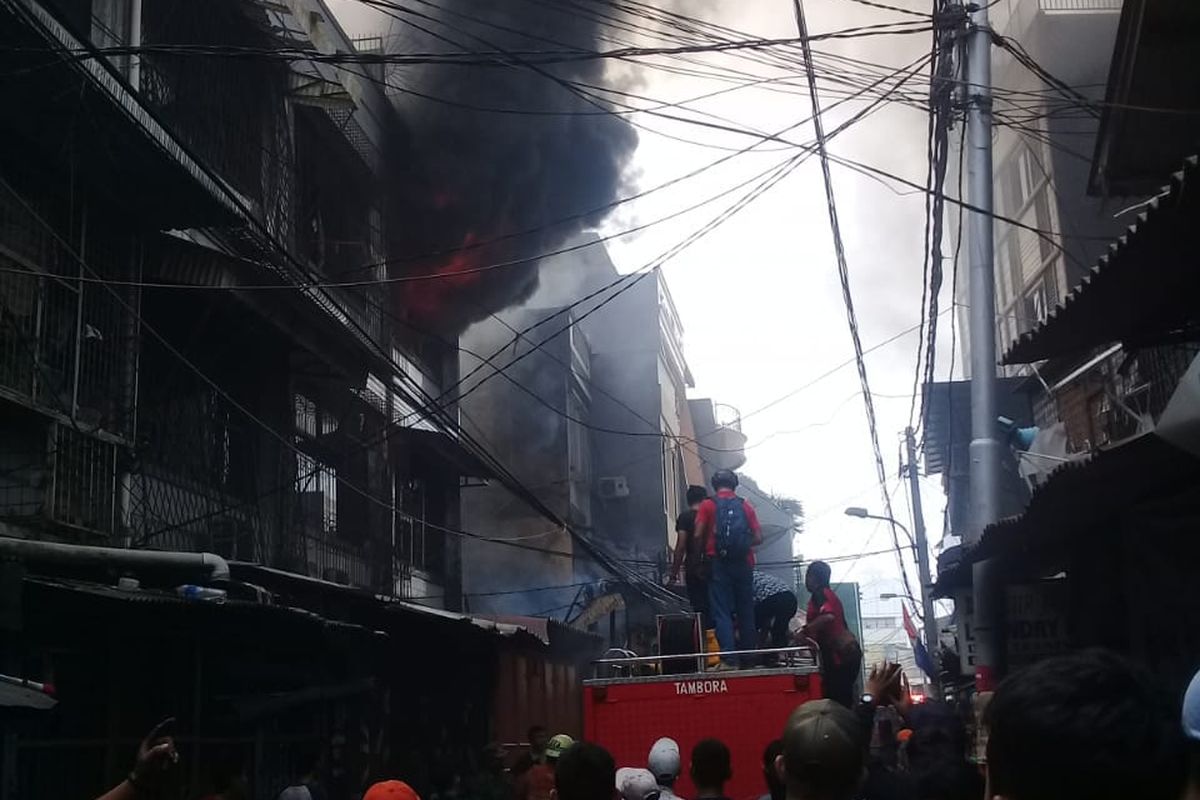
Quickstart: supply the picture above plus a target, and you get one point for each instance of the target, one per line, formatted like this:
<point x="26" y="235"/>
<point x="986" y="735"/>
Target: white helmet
<point x="664" y="760"/>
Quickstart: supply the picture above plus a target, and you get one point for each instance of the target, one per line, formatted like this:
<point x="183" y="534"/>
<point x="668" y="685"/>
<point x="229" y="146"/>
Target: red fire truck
<point x="640" y="699"/>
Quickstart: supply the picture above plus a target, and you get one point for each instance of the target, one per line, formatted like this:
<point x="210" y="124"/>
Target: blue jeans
<point x="730" y="594"/>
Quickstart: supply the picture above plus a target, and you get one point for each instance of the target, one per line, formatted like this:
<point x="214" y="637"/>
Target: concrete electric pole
<point x="985" y="446"/>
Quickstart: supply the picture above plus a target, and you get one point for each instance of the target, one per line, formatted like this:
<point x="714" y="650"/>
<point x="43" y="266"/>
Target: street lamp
<point x="921" y="551"/>
<point x="894" y="596"/>
<point x="862" y="513"/>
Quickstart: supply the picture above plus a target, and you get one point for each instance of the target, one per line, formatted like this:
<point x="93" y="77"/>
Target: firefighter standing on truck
<point x="689" y="555"/>
<point x="825" y="622"/>
<point x="729" y="529"/>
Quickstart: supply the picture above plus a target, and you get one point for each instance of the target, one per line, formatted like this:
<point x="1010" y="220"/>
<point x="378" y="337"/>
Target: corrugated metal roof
<point x="1077" y="498"/>
<point x="156" y="597"/>
<point x="492" y="626"/>
<point x="1141" y="292"/>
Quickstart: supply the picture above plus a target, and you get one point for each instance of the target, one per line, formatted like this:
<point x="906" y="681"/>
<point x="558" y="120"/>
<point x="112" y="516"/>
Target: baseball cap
<point x="824" y="736"/>
<point x="634" y="783"/>
<point x="664" y="760"/>
<point x="391" y="790"/>
<point x="558" y="745"/>
<point x="1191" y="709"/>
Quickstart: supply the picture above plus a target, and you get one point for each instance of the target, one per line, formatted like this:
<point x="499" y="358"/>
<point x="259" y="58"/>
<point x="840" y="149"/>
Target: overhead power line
<point x="498" y="58"/>
<point x="847" y="296"/>
<point x="627" y="280"/>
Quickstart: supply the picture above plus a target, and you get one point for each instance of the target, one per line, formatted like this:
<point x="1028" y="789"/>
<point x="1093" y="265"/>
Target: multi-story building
<point x="1041" y="153"/>
<point x="148" y="411"/>
<point x="183" y="402"/>
<point x="535" y="414"/>
<point x="1106" y="364"/>
<point x="597" y="422"/>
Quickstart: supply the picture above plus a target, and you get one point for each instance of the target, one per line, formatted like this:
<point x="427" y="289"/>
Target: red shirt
<point x="834" y="637"/>
<point x="536" y="783"/>
<point x="706" y="520"/>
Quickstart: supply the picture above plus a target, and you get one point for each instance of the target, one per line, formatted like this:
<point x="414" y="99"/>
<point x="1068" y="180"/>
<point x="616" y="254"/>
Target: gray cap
<point x="1191" y="709"/>
<point x="634" y="783"/>
<point x="826" y="737"/>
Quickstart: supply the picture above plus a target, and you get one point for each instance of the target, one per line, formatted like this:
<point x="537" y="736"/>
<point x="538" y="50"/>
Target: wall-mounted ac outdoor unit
<point x="614" y="487"/>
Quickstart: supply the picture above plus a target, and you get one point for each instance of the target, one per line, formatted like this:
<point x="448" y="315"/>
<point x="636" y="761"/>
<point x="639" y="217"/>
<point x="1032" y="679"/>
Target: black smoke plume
<point x="501" y="151"/>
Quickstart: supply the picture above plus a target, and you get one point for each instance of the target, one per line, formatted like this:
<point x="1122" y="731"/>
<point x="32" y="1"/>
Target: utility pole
<point x="985" y="447"/>
<point x="932" y="643"/>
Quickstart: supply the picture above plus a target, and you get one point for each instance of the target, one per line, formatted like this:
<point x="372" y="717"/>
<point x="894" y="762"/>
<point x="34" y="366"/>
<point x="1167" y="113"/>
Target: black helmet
<point x="724" y="479"/>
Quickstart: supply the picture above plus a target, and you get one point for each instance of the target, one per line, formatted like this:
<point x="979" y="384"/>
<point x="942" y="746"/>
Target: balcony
<point x="1072" y="39"/>
<point x="719" y="434"/>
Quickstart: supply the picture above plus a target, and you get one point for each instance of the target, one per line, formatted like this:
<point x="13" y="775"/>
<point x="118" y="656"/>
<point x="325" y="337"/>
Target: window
<point x="1041" y="297"/>
<point x="579" y="453"/>
<point x="316" y="481"/>
<point x="1044" y="222"/>
<point x="316" y="484"/>
<point x="578" y="446"/>
<point x="672" y="488"/>
<point x="420" y="542"/>
<point x="880" y="623"/>
<point x="310" y="421"/>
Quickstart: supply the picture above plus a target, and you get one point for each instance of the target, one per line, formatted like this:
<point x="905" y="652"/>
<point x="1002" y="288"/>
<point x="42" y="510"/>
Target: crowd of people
<point x="1084" y="726"/>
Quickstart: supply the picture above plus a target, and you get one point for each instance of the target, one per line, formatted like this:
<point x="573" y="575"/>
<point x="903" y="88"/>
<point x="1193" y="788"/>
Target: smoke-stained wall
<point x="522" y="421"/>
<point x="623" y="384"/>
<point x="628" y="376"/>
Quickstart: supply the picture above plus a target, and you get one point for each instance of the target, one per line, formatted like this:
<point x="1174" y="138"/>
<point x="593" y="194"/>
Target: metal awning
<point x="365" y="604"/>
<point x="554" y="634"/>
<point x="1076" y="501"/>
<point x="102" y="598"/>
<point x="438" y="452"/>
<point x="1151" y="116"/>
<point x="1143" y="292"/>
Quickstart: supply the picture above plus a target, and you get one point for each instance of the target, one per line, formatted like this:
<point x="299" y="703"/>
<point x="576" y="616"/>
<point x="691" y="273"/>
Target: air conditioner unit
<point x="614" y="487"/>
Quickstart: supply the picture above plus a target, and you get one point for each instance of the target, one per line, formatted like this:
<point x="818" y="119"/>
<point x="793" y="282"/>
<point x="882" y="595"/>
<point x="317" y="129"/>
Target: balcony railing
<point x="727" y="416"/>
<point x="1080" y="5"/>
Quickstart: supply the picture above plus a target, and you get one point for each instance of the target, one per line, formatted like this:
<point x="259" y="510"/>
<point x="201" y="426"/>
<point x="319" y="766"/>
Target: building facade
<point x="148" y="410"/>
<point x="1111" y="469"/>
<point x="177" y="379"/>
<point x="1041" y="155"/>
<point x="595" y="415"/>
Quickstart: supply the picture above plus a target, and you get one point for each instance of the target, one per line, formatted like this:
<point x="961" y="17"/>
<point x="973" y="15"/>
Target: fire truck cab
<point x="634" y="700"/>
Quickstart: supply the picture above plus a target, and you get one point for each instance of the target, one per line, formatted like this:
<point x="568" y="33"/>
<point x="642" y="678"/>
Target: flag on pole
<point x="920" y="654"/>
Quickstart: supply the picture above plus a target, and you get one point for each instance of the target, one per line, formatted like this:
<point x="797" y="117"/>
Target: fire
<point x="428" y="299"/>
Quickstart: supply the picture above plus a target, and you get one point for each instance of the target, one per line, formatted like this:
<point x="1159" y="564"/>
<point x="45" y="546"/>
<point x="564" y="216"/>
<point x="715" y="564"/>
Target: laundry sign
<point x="1036" y="621"/>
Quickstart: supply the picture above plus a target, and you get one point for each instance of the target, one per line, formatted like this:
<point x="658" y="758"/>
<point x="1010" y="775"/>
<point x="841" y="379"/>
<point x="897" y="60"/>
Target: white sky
<point x="759" y="297"/>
